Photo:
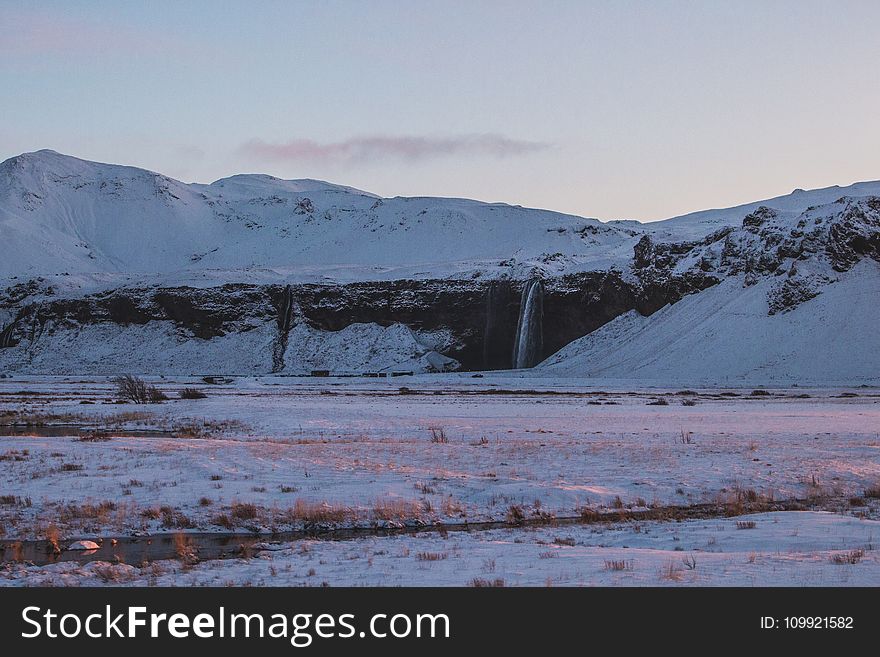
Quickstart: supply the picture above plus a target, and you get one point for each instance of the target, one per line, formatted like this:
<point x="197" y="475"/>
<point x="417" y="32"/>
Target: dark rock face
<point x="855" y="234"/>
<point x="481" y="316"/>
<point x="6" y="336"/>
<point x="802" y="252"/>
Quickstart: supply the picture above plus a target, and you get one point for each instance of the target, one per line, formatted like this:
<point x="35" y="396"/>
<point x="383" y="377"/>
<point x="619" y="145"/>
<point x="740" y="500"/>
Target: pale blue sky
<point x="609" y="109"/>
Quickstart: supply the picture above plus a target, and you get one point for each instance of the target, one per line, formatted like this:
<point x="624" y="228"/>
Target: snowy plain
<point x="448" y="448"/>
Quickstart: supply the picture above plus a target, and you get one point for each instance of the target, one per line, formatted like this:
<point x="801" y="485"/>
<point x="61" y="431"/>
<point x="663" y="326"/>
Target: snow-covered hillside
<point x="726" y="336"/>
<point x="796" y="303"/>
<point x="61" y="214"/>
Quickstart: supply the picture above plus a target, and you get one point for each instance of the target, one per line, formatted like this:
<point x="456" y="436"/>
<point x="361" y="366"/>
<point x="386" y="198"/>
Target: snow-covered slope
<point x="62" y="214"/>
<point x="695" y="225"/>
<point x="796" y="302"/>
<point x="726" y="336"/>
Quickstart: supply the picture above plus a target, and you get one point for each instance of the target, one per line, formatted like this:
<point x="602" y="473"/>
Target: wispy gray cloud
<point x="359" y="150"/>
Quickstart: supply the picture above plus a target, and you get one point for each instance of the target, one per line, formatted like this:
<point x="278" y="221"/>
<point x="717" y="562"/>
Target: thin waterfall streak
<point x="529" y="330"/>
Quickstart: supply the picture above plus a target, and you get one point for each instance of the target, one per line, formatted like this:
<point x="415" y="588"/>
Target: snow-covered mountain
<point x="797" y="302"/>
<point x="728" y="335"/>
<point x="61" y="214"/>
<point x="104" y="265"/>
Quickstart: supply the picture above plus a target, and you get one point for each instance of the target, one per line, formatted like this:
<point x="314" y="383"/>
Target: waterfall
<point x="285" y="311"/>
<point x="6" y="336"/>
<point x="529" y="343"/>
<point x="285" y="320"/>
<point x="489" y="328"/>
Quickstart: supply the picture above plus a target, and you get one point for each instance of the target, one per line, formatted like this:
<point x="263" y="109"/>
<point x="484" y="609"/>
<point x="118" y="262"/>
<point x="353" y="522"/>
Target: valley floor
<point x="275" y="454"/>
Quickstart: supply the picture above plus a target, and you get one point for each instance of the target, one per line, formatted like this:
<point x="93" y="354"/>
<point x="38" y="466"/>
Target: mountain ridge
<point x="107" y="264"/>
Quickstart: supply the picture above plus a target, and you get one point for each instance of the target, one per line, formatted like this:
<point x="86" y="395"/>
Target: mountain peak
<point x="251" y="182"/>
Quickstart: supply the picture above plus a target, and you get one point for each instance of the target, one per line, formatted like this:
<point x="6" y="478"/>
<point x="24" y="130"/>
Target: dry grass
<point x="451" y="507"/>
<point x="92" y="511"/>
<point x="424" y="489"/>
<point x="431" y="556"/>
<point x="169" y="518"/>
<point x="671" y="572"/>
<point x="873" y="491"/>
<point x="438" y="435"/>
<point x="14" y="455"/>
<point x="515" y="515"/>
<point x="53" y="536"/>
<point x="243" y="511"/>
<point x="397" y="509"/>
<point x="184" y="549"/>
<point x="617" y="565"/>
<point x="15" y="500"/>
<point x="479" y="582"/>
<point x="192" y="393"/>
<point x="206" y="428"/>
<point x="310" y="512"/>
<point x="94" y="436"/>
<point x="223" y="520"/>
<point x="745" y="524"/>
<point x="850" y="558"/>
<point x="29" y="418"/>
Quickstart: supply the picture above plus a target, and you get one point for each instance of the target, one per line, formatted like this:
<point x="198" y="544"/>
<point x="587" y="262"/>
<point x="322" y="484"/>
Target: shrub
<point x="243" y="511"/>
<point x="223" y="520"/>
<point x="515" y="515"/>
<point x="136" y="390"/>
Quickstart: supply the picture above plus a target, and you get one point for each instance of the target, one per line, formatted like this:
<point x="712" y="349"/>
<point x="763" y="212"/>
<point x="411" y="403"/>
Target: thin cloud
<point x="358" y="150"/>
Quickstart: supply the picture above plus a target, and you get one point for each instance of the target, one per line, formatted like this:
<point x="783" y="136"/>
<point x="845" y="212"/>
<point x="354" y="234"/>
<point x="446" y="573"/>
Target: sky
<point x="615" y="109"/>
